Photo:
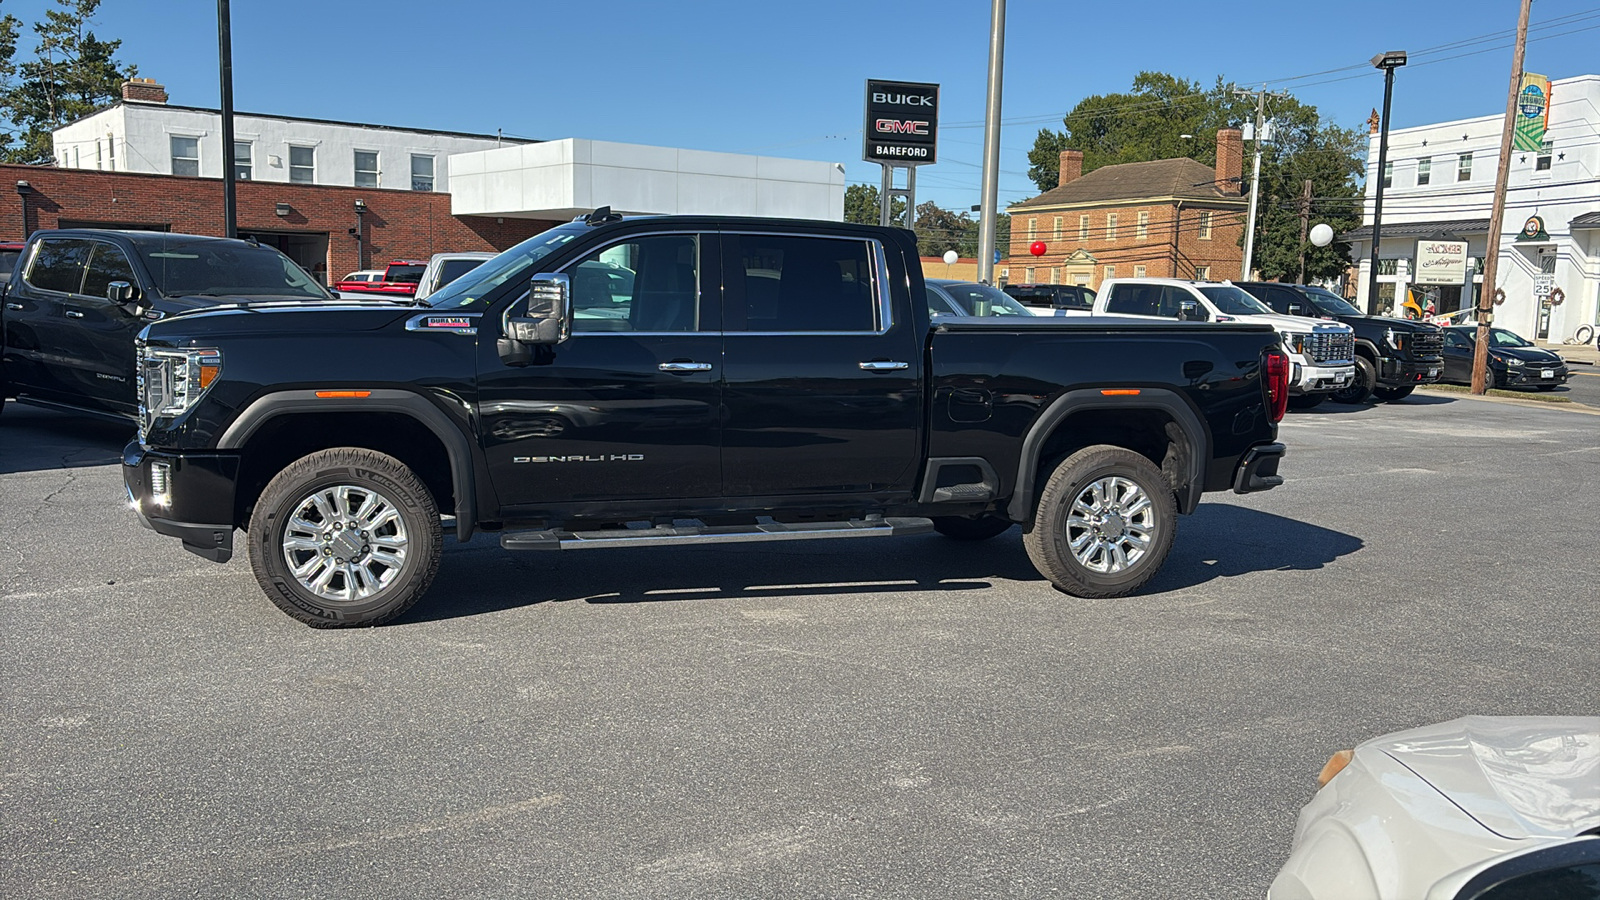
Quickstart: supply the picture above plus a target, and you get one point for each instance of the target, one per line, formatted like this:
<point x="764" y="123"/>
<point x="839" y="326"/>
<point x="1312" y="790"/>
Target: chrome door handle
<point x="677" y="367"/>
<point x="13" y="306"/>
<point x="74" y="314"/>
<point x="883" y="365"/>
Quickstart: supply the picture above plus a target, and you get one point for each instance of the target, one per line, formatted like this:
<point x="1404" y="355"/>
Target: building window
<point x="185" y="156"/>
<point x="1464" y="167"/>
<point x="1202" y="273"/>
<point x="367" y="168"/>
<point x="1027" y="274"/>
<point x="1138" y="271"/>
<point x="1144" y="226"/>
<point x="422" y="173"/>
<point x="1541" y="163"/>
<point x="111" y="151"/>
<point x="242" y="161"/>
<point x="1111" y="226"/>
<point x="1424" y="170"/>
<point x="1031" y="231"/>
<point x="1110" y="271"/>
<point x="1055" y="274"/>
<point x="1204" y="231"/>
<point x="1058" y="228"/>
<point x="1388" y="174"/>
<point x="1083" y="229"/>
<point x="303" y="165"/>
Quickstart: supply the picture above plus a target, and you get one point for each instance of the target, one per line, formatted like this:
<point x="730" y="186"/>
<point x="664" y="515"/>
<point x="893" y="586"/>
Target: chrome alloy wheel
<point x="345" y="542"/>
<point x="1111" y="525"/>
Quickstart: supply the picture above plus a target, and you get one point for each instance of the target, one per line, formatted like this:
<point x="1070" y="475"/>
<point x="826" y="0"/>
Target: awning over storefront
<point x="1450" y="228"/>
<point x="1585" y="221"/>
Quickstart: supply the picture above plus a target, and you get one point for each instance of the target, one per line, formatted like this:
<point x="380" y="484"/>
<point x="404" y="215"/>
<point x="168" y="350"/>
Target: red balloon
<point x="1037" y="248"/>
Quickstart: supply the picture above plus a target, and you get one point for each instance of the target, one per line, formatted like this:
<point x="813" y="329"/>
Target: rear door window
<point x="779" y="283"/>
<point x="58" y="265"/>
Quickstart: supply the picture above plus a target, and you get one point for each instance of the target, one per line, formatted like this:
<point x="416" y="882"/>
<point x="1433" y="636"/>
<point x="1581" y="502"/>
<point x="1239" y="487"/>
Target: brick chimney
<point x="143" y="90"/>
<point x="1230" y="161"/>
<point x="1071" y="166"/>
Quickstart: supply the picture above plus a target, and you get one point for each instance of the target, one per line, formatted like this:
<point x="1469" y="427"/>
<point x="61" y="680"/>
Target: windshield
<point x="514" y="264"/>
<point x="1499" y="337"/>
<point x="186" y="267"/>
<point x="1330" y="303"/>
<point x="1231" y="301"/>
<point x="969" y="296"/>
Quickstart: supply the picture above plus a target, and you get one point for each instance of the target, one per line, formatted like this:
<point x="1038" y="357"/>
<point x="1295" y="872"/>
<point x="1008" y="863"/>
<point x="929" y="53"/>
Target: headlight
<point x="171" y="382"/>
<point x="1511" y="362"/>
<point x="1295" y="342"/>
<point x="1394" y="338"/>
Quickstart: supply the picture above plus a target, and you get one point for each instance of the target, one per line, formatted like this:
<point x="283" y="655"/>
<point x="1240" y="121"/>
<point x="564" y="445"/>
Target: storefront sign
<point x="1533" y="230"/>
<point x="1441" y="262"/>
<point x="1533" y="112"/>
<point x="902" y="126"/>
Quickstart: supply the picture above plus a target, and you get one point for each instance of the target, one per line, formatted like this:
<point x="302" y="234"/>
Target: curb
<point x="1576" y="407"/>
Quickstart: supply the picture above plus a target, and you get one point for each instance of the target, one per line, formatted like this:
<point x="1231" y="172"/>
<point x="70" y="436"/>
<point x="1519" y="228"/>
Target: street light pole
<point x="1255" y="184"/>
<point x="1388" y="62"/>
<point x="230" y="217"/>
<point x="990" y="200"/>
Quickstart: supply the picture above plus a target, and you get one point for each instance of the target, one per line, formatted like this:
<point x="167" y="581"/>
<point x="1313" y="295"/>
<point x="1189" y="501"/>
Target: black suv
<point x="1053" y="296"/>
<point x="1393" y="356"/>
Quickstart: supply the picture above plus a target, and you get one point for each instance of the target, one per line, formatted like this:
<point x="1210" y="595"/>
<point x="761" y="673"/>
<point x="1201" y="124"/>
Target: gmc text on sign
<point x="902" y="123"/>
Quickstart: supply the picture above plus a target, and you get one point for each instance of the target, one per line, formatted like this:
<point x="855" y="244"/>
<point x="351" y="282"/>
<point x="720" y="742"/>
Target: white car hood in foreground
<point x="1417" y="813"/>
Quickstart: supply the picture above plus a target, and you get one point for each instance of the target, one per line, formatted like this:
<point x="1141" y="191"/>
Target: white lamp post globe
<point x="1321" y="235"/>
<point x="950" y="257"/>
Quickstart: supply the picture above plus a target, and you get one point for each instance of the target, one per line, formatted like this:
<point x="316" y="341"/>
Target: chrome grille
<point x="1427" y="343"/>
<point x="1323" y="348"/>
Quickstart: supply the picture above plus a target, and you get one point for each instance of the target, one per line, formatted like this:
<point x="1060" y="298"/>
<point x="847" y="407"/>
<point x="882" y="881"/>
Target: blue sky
<point x="785" y="79"/>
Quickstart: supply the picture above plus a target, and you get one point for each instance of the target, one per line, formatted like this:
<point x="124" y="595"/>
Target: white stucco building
<point x="1441" y="184"/>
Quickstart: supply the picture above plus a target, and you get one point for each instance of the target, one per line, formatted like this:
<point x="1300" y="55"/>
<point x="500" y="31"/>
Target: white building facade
<point x="1440" y="185"/>
<point x="144" y="133"/>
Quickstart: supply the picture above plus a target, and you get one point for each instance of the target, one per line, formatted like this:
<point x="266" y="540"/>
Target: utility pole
<point x="1497" y="215"/>
<point x="1388" y="62"/>
<point x="1255" y="176"/>
<point x="230" y="214"/>
<point x="1305" y="223"/>
<point x="990" y="201"/>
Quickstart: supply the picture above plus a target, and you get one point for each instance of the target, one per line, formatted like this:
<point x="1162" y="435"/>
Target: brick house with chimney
<point x="1170" y="218"/>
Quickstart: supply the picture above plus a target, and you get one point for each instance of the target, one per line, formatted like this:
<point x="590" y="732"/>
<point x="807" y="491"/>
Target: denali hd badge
<point x="615" y="457"/>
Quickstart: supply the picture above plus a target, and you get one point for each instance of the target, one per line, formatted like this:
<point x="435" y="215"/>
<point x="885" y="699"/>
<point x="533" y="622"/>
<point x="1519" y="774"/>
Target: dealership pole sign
<point x="902" y="127"/>
<point x="1441" y="262"/>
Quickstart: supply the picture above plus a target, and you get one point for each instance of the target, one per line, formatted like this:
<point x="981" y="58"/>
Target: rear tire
<point x="1361" y="386"/>
<point x="1105" y="522"/>
<point x="1390" y="395"/>
<point x="345" y="537"/>
<point x="973" y="528"/>
<point x="1307" y="401"/>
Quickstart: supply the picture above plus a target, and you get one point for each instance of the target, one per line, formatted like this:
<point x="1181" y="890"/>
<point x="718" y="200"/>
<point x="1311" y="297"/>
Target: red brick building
<point x="315" y="225"/>
<point x="1171" y="218"/>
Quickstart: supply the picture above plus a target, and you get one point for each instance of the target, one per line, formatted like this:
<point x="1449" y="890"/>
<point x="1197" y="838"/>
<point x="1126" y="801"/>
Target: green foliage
<point x="1148" y="123"/>
<point x="72" y="74"/>
<point x="861" y="206"/>
<point x="937" y="229"/>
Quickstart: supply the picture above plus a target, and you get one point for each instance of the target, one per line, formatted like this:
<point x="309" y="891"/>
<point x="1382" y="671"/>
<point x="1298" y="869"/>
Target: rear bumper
<point x="1311" y="379"/>
<point x="197" y="505"/>
<point x="1403" y="372"/>
<point x="1258" y="470"/>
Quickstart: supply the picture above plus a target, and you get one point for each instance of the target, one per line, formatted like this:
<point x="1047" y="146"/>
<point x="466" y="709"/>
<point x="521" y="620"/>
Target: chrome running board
<point x="663" y="535"/>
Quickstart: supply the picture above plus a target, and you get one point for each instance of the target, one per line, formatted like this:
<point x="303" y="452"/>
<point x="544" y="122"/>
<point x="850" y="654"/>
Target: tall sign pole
<point x="230" y="215"/>
<point x="1388" y="62"/>
<point x="989" y="203"/>
<point x="1497" y="214"/>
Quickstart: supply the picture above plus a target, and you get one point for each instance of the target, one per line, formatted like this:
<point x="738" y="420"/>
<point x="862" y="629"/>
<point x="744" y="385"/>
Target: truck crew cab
<point x="78" y="298"/>
<point x="1393" y="356"/>
<point x="619" y="383"/>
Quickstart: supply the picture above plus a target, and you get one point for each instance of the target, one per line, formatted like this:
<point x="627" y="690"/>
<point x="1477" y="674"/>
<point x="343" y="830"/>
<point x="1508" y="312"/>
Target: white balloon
<point x="1321" y="235"/>
<point x="950" y="257"/>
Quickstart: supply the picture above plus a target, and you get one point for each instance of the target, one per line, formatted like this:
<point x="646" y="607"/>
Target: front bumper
<point x="1258" y="470"/>
<point x="196" y="506"/>
<point x="1403" y="372"/>
<point x="1534" y="375"/>
<point x="1312" y="379"/>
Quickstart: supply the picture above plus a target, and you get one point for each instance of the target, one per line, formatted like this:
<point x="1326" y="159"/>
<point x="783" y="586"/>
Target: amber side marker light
<point x="335" y="395"/>
<point x="1335" y="765"/>
<point x="208" y="374"/>
<point x="1121" y="392"/>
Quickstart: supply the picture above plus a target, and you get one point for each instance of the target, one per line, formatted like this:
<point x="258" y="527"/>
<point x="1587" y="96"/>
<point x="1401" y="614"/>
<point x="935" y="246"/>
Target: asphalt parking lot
<point x="914" y="718"/>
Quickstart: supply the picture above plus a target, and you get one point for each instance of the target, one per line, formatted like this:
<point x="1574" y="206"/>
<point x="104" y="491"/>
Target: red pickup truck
<point x="400" y="278"/>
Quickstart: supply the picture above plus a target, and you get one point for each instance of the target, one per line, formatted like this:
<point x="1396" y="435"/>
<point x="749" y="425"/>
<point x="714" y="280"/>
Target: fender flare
<point x="457" y="447"/>
<point x="1366" y="344"/>
<point x="1020" y="509"/>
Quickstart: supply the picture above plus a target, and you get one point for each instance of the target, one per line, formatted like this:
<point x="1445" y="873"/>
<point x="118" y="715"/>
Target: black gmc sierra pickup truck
<point x="651" y="381"/>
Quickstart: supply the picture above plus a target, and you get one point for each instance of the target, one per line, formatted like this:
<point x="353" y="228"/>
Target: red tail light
<point x="1276" y="385"/>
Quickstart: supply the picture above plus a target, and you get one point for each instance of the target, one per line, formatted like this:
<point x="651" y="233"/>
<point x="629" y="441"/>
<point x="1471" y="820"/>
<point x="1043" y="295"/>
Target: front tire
<point x="345" y="537"/>
<point x="1390" y="395"/>
<point x="1105" y="522"/>
<point x="1361" y="386"/>
<point x="974" y="528"/>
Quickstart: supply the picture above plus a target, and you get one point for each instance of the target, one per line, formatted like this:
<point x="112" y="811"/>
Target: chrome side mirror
<point x="547" y="318"/>
<point x="128" y="297"/>
<point x="1190" y="311"/>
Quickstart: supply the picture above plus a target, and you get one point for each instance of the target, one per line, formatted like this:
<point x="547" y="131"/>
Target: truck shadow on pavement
<point x="1334" y="407"/>
<point x="34" y="439"/>
<point x="1219" y="541"/>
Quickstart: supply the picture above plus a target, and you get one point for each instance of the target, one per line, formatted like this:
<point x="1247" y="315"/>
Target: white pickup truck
<point x="444" y="268"/>
<point x="1322" y="352"/>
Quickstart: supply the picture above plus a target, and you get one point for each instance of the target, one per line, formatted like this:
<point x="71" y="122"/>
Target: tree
<point x="861" y="205"/>
<point x="1150" y="121"/>
<point x="73" y="73"/>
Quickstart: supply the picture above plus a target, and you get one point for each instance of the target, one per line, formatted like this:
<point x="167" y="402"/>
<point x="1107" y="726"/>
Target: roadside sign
<point x="1441" y="262"/>
<point x="902" y="123"/>
<point x="1543" y="285"/>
